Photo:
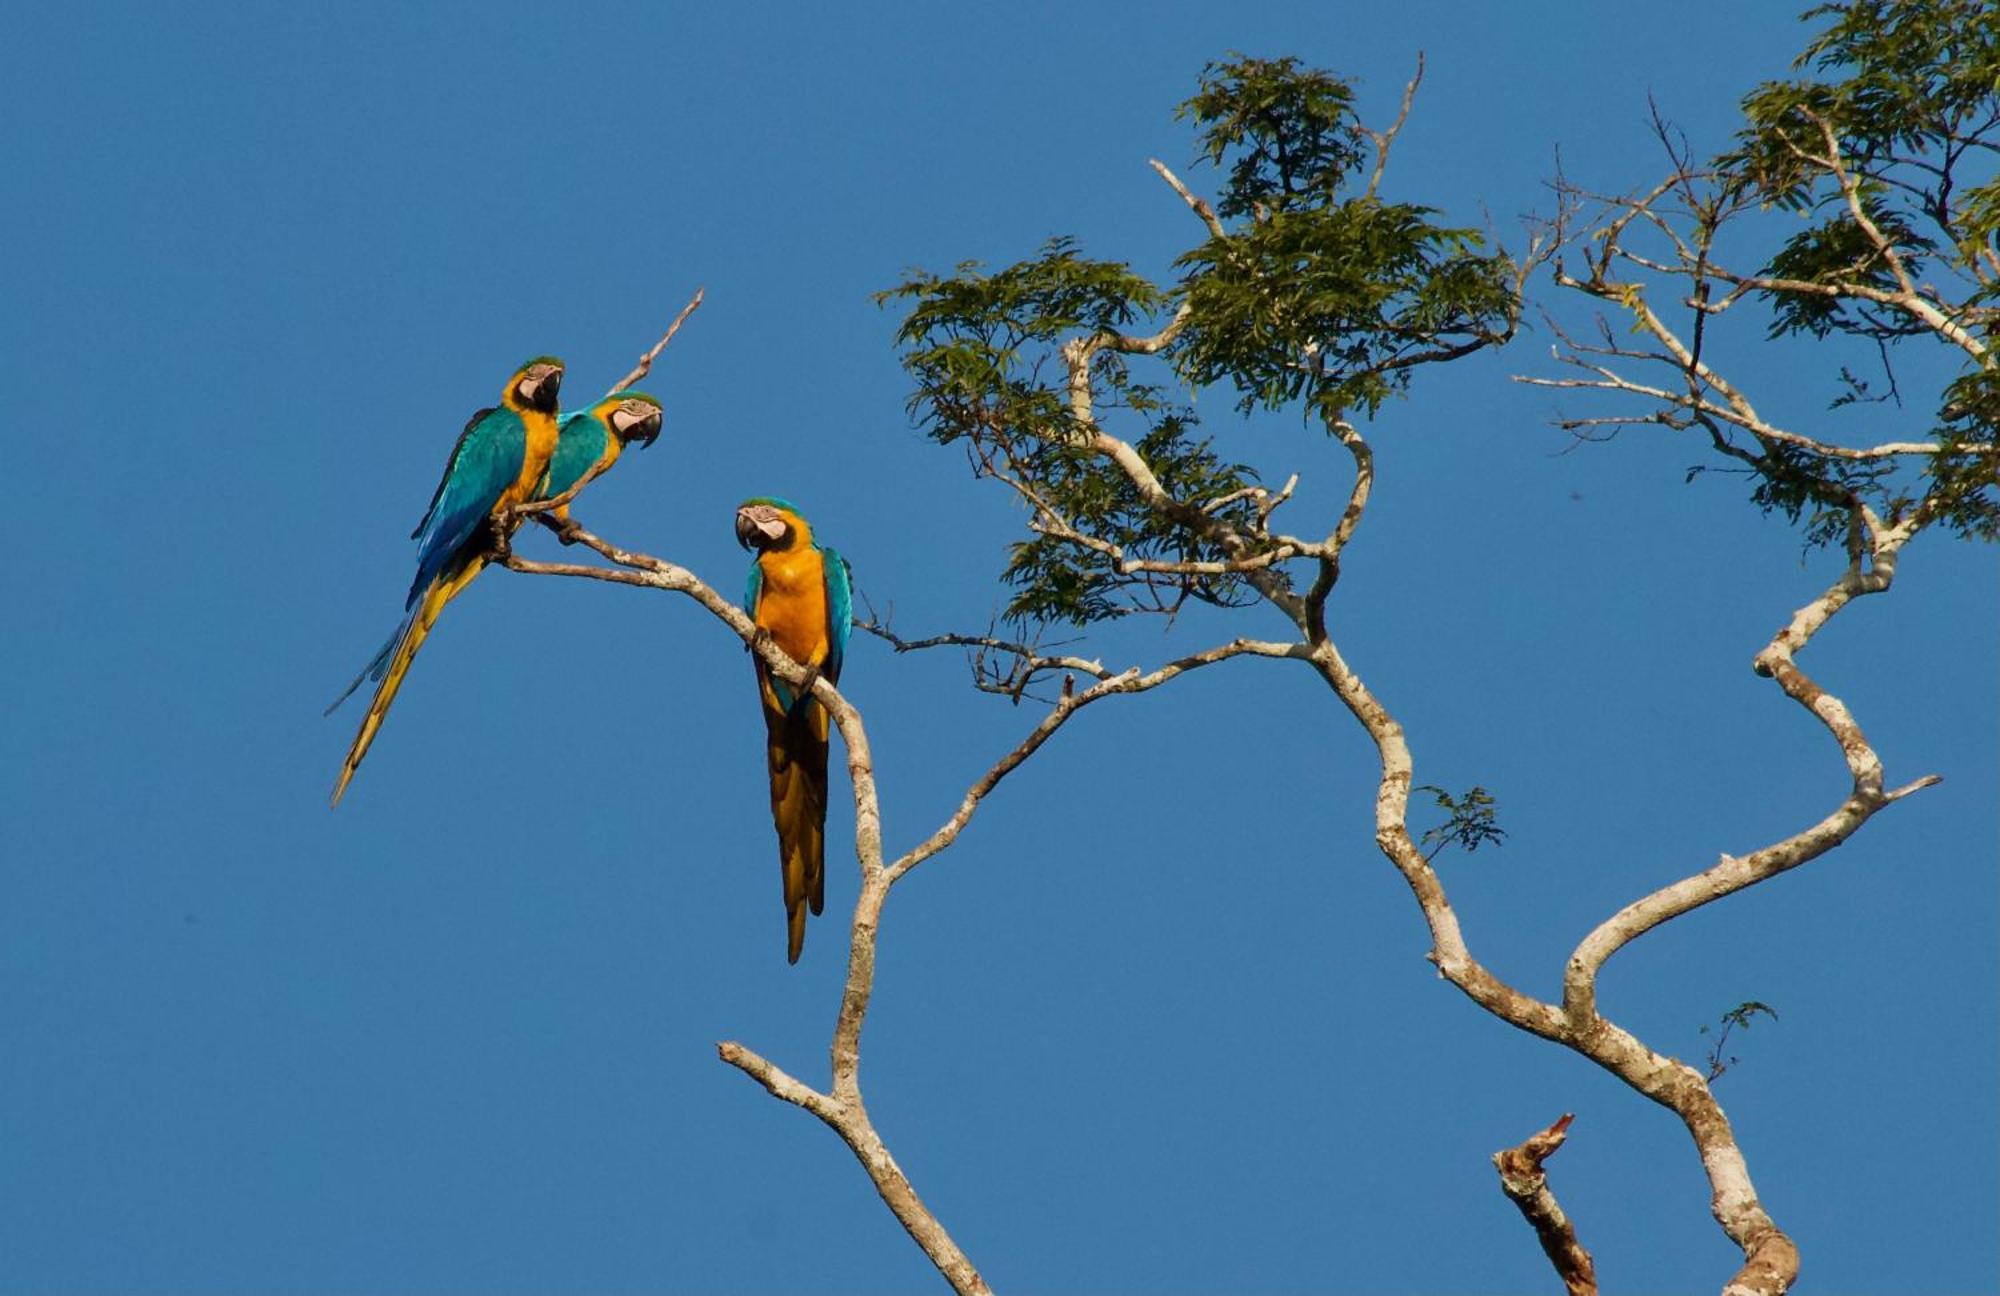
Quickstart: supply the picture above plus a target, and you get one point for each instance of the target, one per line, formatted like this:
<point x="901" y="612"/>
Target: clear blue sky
<point x="1161" y="1022"/>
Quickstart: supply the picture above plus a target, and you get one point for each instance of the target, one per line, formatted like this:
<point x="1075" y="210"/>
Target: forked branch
<point x="1770" y="1260"/>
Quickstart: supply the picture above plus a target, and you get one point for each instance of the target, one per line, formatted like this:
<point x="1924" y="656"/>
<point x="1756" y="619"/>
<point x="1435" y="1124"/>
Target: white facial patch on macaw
<point x="761" y="519"/>
<point x="630" y="416"/>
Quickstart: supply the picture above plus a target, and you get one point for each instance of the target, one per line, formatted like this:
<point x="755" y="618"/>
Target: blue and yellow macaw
<point x="800" y="595"/>
<point x="500" y="460"/>
<point x="592" y="440"/>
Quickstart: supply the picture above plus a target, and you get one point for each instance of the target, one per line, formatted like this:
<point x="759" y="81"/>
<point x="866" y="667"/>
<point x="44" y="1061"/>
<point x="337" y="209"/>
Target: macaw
<point x="801" y="595"/>
<point x="592" y="440"/>
<point x="500" y="460"/>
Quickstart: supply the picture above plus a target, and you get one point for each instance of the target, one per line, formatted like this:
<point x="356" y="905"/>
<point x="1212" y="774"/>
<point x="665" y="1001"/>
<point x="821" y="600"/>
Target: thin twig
<point x="1383" y="139"/>
<point x="645" y="365"/>
<point x="1027" y="652"/>
<point x="555" y="504"/>
<point x="1131" y="680"/>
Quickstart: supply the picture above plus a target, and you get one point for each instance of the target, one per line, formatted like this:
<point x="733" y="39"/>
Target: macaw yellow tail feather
<point x="393" y="662"/>
<point x="798" y="748"/>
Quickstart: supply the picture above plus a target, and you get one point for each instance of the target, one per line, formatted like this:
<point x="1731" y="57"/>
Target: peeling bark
<point x="1525" y="1183"/>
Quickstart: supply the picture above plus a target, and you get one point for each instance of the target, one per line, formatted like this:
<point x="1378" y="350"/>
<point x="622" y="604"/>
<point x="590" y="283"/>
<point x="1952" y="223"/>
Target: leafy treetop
<point x="1311" y="290"/>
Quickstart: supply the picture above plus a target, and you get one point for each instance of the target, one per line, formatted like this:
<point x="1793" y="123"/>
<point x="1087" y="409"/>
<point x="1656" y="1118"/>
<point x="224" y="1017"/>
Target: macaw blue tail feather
<point x="372" y="671"/>
<point x="394" y="662"/>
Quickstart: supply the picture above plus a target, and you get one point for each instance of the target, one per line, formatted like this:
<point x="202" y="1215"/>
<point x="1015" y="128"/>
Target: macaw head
<point x="535" y="384"/>
<point x="767" y="523"/>
<point x="631" y="416"/>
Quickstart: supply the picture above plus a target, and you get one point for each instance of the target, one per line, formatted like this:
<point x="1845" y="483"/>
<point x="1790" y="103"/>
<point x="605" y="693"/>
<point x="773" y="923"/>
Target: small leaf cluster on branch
<point x="1737" y="1018"/>
<point x="1470" y="821"/>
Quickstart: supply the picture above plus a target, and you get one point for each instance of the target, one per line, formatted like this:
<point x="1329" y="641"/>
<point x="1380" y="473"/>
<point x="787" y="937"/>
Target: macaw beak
<point x="540" y="393"/>
<point x="754" y="532"/>
<point x="648" y="431"/>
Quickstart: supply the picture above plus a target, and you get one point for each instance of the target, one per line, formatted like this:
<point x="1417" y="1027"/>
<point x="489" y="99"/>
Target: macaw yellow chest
<point x="793" y="604"/>
<point x="541" y="445"/>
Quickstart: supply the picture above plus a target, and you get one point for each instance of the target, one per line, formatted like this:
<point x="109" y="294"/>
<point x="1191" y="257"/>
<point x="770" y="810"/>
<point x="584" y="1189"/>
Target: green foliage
<point x="1289" y="133"/>
<point x="1056" y="294"/>
<point x="1909" y="93"/>
<point x="1055" y="579"/>
<point x="1321" y="294"/>
<point x="1838" y="252"/>
<point x="1316" y="296"/>
<point x="984" y="351"/>
<point x="1811" y="490"/>
<point x="1338" y="303"/>
<point x="1737" y="1018"/>
<point x="1897" y="78"/>
<point x="1469" y="821"/>
<point x="1966" y="485"/>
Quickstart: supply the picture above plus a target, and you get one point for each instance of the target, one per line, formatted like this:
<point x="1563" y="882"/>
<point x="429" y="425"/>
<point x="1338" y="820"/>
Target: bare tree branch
<point x="1866" y="796"/>
<point x="1198" y="205"/>
<point x="645" y="365"/>
<point x="1132" y="680"/>
<point x="841" y="1109"/>
<point x="1343" y="530"/>
<point x="1384" y="139"/>
<point x="1028" y="653"/>
<point x="1525" y="1183"/>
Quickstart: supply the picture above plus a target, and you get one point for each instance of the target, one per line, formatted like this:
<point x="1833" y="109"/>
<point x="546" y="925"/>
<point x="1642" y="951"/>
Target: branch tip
<point x="1527" y="1186"/>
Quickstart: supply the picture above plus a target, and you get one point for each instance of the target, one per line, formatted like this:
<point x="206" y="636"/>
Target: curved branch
<point x="1449" y="951"/>
<point x="846" y="1118"/>
<point x="1128" y="681"/>
<point x="1770" y="1258"/>
<point x="842" y="1110"/>
<point x="1196" y="203"/>
<point x="1343" y="531"/>
<point x="1866" y="795"/>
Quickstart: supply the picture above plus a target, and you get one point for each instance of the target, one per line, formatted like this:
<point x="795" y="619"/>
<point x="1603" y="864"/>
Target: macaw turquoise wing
<point x="753" y="590"/>
<point x="487" y="461"/>
<point x="582" y="444"/>
<point x="839" y="610"/>
<point x="449" y="464"/>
